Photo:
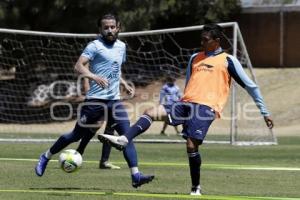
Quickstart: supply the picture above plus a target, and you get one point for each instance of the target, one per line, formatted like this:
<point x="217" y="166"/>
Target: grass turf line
<point x="159" y="196"/>
<point x="206" y="166"/>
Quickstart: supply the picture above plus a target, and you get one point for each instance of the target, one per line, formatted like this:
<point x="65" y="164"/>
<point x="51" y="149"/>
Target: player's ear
<point x="118" y="26"/>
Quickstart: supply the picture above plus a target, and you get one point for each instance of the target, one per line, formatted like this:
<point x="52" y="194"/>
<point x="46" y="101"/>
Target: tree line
<point x="80" y="16"/>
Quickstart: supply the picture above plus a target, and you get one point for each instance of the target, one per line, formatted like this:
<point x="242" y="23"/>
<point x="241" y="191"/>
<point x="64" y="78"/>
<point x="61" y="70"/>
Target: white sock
<point x="134" y="170"/>
<point x="198" y="186"/>
<point x="48" y="154"/>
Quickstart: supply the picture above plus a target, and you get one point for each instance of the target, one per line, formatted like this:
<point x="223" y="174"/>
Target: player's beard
<point x="109" y="38"/>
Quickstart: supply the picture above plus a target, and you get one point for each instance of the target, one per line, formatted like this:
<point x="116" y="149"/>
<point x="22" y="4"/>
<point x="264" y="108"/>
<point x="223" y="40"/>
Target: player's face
<point x="109" y="30"/>
<point x="208" y="43"/>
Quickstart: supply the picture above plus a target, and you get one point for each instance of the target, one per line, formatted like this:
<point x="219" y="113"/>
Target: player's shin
<point x="130" y="155"/>
<point x="195" y="164"/>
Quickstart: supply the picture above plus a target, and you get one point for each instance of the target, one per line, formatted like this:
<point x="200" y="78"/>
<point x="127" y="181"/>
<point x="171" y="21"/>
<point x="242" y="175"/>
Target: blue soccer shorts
<point x="112" y="111"/>
<point x="196" y="118"/>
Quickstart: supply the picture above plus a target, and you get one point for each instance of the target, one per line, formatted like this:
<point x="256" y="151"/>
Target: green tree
<point x="80" y="16"/>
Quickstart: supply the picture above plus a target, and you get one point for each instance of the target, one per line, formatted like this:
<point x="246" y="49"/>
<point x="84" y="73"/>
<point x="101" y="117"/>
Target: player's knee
<point x="150" y="112"/>
<point x="192" y="145"/>
<point x="191" y="148"/>
<point x="69" y="138"/>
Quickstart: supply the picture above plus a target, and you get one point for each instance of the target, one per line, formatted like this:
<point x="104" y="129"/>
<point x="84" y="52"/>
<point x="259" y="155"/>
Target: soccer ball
<point x="70" y="160"/>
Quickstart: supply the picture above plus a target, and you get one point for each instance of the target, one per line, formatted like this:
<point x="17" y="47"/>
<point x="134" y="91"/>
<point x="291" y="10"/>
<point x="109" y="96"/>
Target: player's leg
<point x="194" y="131"/>
<point x="145" y="121"/>
<point x="138" y="128"/>
<point x="89" y="115"/>
<point x="177" y="130"/>
<point x="62" y="142"/>
<point x="121" y="125"/>
<point x="194" y="163"/>
<point x="86" y="139"/>
<point x="106" y="149"/>
<point x="162" y="132"/>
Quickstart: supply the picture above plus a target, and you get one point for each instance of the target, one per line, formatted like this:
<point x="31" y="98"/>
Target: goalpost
<point x="40" y="93"/>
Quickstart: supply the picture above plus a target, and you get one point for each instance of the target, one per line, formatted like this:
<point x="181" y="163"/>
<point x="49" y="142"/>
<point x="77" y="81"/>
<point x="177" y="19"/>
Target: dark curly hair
<point x="108" y="16"/>
<point x="215" y="30"/>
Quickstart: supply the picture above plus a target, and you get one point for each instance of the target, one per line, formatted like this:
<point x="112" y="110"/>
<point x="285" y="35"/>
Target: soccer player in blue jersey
<point x="104" y="56"/>
<point x="169" y="93"/>
<point x="208" y="81"/>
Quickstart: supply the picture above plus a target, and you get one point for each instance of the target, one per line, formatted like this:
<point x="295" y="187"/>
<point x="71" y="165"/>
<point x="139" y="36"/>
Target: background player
<point x="169" y="93"/>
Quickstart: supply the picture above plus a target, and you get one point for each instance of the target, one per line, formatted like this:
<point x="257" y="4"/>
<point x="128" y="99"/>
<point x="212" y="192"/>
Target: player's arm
<point x="189" y="69"/>
<point x="82" y="68"/>
<point x="85" y="85"/>
<point x="178" y="93"/>
<point x="129" y="89"/>
<point x="237" y="72"/>
<point x="162" y="95"/>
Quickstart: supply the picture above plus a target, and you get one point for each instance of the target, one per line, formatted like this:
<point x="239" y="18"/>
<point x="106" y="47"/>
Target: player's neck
<point x="214" y="52"/>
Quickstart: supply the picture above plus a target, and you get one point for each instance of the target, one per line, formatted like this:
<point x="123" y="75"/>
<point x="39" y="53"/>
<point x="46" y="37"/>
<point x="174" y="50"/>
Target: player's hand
<point x="129" y="89"/>
<point x="103" y="82"/>
<point x="269" y="122"/>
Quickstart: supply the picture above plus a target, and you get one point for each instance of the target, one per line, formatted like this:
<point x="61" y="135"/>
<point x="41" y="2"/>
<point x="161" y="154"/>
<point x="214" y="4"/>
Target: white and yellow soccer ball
<point x="70" y="160"/>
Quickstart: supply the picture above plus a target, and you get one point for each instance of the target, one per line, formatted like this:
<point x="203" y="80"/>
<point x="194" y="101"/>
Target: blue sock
<point x="195" y="163"/>
<point x="139" y="127"/>
<point x="129" y="152"/>
<point x="130" y="155"/>
<point x="106" y="148"/>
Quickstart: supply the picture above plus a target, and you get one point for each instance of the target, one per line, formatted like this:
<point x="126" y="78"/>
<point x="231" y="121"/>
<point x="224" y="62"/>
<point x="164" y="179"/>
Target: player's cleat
<point x="139" y="179"/>
<point x="108" y="165"/>
<point x="41" y="165"/>
<point x="162" y="133"/>
<point x="119" y="142"/>
<point x="196" y="190"/>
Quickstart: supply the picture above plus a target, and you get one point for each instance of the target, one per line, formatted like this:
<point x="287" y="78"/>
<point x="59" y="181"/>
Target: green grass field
<point x="228" y="172"/>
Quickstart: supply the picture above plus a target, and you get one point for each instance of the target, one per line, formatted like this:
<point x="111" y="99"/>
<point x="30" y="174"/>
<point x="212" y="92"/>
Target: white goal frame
<point x="237" y="41"/>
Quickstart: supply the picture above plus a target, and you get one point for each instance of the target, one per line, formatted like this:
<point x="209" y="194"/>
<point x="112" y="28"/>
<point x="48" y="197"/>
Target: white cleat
<point x="196" y="190"/>
<point x="119" y="142"/>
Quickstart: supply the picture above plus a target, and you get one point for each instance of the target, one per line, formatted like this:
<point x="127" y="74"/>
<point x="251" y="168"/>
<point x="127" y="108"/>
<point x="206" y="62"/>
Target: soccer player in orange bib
<point x="208" y="81"/>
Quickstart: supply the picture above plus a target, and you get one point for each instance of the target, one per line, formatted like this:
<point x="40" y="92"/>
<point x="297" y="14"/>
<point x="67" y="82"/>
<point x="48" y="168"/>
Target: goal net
<point x="40" y="93"/>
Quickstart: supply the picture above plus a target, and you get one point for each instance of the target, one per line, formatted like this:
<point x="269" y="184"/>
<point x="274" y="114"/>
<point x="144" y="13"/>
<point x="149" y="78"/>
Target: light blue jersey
<point x="105" y="61"/>
<point x="169" y="94"/>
